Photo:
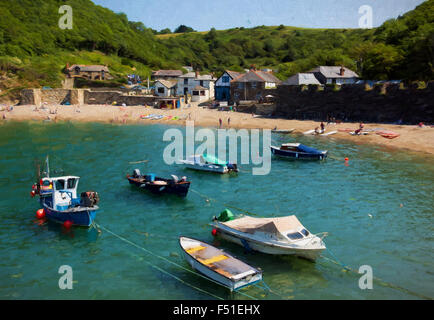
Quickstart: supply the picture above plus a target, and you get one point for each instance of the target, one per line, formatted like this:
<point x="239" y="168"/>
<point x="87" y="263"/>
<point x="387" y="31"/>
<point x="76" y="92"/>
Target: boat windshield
<point x="295" y="236"/>
<point x="60" y="184"/>
<point x="305" y="232"/>
<point x="71" y="183"/>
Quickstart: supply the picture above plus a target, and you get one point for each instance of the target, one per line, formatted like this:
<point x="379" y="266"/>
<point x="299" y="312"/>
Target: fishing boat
<point x="159" y="185"/>
<point x="298" y="151"/>
<point x="277" y="236"/>
<point x="208" y="163"/>
<point x="60" y="203"/>
<point x="218" y="265"/>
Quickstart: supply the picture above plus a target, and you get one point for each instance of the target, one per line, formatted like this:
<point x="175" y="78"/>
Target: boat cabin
<point x="290" y="146"/>
<point x="63" y="191"/>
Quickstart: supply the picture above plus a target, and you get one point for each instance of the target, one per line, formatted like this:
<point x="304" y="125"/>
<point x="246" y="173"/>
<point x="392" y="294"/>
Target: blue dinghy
<point x="298" y="151"/>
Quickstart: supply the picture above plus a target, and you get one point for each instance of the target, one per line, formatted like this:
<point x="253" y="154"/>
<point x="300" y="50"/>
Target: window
<point x="225" y="79"/>
<point x="161" y="90"/>
<point x="201" y="83"/>
<point x="202" y="92"/>
<point x="195" y="93"/>
<point x="186" y="81"/>
<point x="295" y="236"/>
<point x="240" y="85"/>
<point x="305" y="232"/>
<point x="71" y="183"/>
<point x="60" y="184"/>
<point x="254" y="84"/>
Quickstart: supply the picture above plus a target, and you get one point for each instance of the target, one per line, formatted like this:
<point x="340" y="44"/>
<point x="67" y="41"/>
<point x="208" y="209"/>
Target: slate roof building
<point x="253" y="85"/>
<point x="335" y="75"/>
<point x="165" y="88"/>
<point x="90" y="72"/>
<point x="301" y="79"/>
<point x="166" y="74"/>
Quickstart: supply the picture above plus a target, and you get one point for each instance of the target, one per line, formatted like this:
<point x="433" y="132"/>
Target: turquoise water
<point x="359" y="205"/>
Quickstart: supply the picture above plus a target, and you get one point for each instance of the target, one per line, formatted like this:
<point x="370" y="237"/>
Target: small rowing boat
<point x="388" y="134"/>
<point x="328" y="133"/>
<point x="159" y="185"/>
<point x="218" y="265"/>
<point x="283" y="131"/>
<point x="298" y="151"/>
<point x="277" y="236"/>
<point x="209" y="163"/>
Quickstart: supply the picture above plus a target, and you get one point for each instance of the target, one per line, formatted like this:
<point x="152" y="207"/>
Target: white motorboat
<point x="218" y="265"/>
<point x="278" y="236"/>
<point x="209" y="163"/>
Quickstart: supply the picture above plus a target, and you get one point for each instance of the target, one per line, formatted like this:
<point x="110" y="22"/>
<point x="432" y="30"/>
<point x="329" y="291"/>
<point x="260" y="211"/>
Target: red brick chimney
<point x="342" y="71"/>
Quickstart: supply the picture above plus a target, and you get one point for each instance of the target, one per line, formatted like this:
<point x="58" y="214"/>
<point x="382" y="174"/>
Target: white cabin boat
<point x="218" y="265"/>
<point x="279" y="236"/>
<point x="209" y="163"/>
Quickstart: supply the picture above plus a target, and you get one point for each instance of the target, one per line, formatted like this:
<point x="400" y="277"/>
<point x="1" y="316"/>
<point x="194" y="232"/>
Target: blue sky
<point x="202" y="15"/>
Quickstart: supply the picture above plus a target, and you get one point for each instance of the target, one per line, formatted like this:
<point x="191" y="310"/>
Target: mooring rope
<point x="173" y="263"/>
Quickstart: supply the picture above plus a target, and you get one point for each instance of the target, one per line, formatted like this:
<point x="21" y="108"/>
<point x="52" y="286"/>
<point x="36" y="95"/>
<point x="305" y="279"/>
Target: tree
<point x="183" y="29"/>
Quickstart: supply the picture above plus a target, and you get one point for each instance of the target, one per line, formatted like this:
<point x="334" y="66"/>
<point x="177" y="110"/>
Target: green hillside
<point x="34" y="50"/>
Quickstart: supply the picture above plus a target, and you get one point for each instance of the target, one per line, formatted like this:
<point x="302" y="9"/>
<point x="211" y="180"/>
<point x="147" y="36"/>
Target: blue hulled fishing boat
<point x="60" y="203"/>
<point x="298" y="151"/>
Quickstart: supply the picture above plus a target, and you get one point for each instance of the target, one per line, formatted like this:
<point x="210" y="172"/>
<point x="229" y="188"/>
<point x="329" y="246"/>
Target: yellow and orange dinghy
<point x="218" y="265"/>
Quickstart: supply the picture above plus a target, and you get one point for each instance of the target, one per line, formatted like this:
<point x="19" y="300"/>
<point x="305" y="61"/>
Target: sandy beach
<point x="412" y="137"/>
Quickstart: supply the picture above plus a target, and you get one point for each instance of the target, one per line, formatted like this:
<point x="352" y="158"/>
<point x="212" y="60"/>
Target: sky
<point x="203" y="15"/>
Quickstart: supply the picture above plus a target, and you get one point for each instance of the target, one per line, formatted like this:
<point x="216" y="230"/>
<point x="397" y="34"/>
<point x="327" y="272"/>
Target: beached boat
<point x="277" y="236"/>
<point x="59" y="200"/>
<point x="208" y="163"/>
<point x="298" y="151"/>
<point x="159" y="185"/>
<point x="283" y="131"/>
<point x="218" y="265"/>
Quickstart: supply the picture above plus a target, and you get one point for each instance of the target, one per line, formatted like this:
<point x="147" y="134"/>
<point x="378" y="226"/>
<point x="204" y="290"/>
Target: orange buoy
<point x="214" y="232"/>
<point x="40" y="213"/>
<point x="346" y="159"/>
<point x="67" y="224"/>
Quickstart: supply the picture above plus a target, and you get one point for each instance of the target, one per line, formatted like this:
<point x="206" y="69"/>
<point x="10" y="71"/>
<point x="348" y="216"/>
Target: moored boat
<point x="298" y="151"/>
<point x="283" y="131"/>
<point x="218" y="265"/>
<point x="159" y="185"/>
<point x="60" y="203"/>
<point x="209" y="163"/>
<point x="277" y="236"/>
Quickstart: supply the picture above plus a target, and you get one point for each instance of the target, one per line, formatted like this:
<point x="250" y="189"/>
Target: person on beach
<point x="322" y="127"/>
<point x="317" y="130"/>
<point x="220" y="122"/>
<point x="229" y="122"/>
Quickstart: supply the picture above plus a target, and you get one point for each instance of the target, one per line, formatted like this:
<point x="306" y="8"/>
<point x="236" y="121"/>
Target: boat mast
<point x="48" y="167"/>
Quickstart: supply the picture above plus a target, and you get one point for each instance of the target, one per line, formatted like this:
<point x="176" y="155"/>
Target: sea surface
<point x="377" y="209"/>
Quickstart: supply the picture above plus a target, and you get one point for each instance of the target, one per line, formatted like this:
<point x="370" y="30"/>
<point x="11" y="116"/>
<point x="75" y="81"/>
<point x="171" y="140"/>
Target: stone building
<point x="89" y="72"/>
<point x="253" y="86"/>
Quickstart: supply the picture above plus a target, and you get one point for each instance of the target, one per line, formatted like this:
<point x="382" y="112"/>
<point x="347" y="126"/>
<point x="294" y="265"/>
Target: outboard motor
<point x="233" y="167"/>
<point x="136" y="173"/>
<point x="89" y="199"/>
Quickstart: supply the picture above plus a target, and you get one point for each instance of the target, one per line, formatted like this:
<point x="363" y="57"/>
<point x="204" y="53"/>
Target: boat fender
<point x="214" y="232"/>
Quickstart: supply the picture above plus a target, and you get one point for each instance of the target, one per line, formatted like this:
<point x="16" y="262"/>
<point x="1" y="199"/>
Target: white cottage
<point x="189" y="81"/>
<point x="165" y="88"/>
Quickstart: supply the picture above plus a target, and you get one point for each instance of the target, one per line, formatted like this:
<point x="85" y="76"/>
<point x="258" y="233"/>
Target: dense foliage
<point x="33" y="47"/>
